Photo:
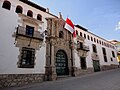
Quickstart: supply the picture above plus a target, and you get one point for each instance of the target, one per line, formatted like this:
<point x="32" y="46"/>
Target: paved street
<point x="107" y="80"/>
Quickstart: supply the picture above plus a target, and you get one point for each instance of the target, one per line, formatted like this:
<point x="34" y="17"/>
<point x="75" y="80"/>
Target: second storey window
<point x="19" y="9"/>
<point x="39" y="17"/>
<point x="61" y="34"/>
<point x="113" y="54"/>
<point x="104" y="54"/>
<point x="84" y="35"/>
<point x="88" y="37"/>
<point x="81" y="34"/>
<point x="6" y="5"/>
<point x="29" y="30"/>
<point x="30" y="13"/>
<point x="94" y="48"/>
<point x="81" y="45"/>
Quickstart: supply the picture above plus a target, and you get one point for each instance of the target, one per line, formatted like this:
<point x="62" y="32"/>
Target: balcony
<point x="83" y="47"/>
<point x="95" y="56"/>
<point x="22" y="31"/>
<point x="79" y="38"/>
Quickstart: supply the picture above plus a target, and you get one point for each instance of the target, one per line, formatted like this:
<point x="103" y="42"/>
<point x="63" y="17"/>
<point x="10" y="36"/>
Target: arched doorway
<point x="61" y="63"/>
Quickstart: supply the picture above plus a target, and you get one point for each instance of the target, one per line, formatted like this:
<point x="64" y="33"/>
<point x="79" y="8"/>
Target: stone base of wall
<point x="7" y="80"/>
<point x="50" y="73"/>
<point x="79" y="72"/>
<point x="109" y="67"/>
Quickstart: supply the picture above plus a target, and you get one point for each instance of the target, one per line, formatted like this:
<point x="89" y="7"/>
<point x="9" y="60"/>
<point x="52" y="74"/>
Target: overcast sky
<point x="101" y="17"/>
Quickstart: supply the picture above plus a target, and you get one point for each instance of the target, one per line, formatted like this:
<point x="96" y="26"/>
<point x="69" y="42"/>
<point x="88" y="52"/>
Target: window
<point x="76" y="32"/>
<point x="29" y="30"/>
<point x="105" y="58"/>
<point x="94" y="40"/>
<point x="6" y="5"/>
<point x="111" y="59"/>
<point x="113" y="54"/>
<point x="81" y="34"/>
<point x="104" y="44"/>
<point x="83" y="63"/>
<point x="84" y="35"/>
<point x="30" y="13"/>
<point x="104" y="51"/>
<point x="39" y="17"/>
<point x="81" y="45"/>
<point x="88" y="37"/>
<point x="19" y="9"/>
<point x="61" y="34"/>
<point x="104" y="54"/>
<point x="100" y="41"/>
<point x="97" y="41"/>
<point x="91" y="39"/>
<point x="27" y="58"/>
<point x="94" y="48"/>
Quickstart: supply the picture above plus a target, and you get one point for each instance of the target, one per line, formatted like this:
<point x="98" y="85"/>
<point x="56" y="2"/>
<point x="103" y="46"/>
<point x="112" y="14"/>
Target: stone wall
<point x="7" y="80"/>
<point x="109" y="67"/>
<point x="79" y="72"/>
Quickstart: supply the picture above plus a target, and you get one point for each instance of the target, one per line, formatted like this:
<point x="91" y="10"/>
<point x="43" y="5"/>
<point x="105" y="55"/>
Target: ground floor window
<point x="27" y="59"/>
<point x="83" y="63"/>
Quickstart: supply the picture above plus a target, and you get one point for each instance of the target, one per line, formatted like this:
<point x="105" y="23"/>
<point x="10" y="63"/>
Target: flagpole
<point x="72" y="68"/>
<point x="70" y="27"/>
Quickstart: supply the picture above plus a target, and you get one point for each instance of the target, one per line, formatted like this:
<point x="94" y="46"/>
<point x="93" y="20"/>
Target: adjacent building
<point x="117" y="45"/>
<point x="35" y="46"/>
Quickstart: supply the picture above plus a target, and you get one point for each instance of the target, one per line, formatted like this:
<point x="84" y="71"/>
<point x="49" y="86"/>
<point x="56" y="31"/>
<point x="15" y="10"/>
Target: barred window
<point x="27" y="58"/>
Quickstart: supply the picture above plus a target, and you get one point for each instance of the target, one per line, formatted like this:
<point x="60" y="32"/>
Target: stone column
<point x="53" y="68"/>
<point x="50" y="73"/>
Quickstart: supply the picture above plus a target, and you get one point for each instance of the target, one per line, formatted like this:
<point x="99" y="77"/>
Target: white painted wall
<point x="8" y="52"/>
<point x="89" y="43"/>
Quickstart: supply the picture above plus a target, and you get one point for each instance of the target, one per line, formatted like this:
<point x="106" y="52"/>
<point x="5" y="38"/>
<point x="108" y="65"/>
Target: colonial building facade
<point x="35" y="46"/>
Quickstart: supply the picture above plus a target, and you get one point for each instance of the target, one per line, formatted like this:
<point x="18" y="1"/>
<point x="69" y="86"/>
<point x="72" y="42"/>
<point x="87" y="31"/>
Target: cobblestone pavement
<point x="107" y="80"/>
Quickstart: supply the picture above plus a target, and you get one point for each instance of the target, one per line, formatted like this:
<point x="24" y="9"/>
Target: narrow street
<point x="106" y="80"/>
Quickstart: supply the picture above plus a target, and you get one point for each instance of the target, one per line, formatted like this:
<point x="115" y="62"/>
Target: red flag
<point x="69" y="25"/>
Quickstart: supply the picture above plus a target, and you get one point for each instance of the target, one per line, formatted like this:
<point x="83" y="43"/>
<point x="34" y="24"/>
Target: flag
<point x="69" y="25"/>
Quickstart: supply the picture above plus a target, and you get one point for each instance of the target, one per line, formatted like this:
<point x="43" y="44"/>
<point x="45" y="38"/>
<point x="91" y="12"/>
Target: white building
<point x="35" y="46"/>
<point x="101" y="56"/>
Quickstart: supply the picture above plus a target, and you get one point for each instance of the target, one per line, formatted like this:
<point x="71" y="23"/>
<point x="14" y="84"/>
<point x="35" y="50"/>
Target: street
<point x="105" y="80"/>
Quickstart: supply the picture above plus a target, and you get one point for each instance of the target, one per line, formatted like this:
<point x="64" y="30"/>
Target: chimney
<point x="47" y="10"/>
<point x="60" y="15"/>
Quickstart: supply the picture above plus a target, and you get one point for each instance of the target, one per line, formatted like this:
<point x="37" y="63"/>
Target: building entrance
<point x="96" y="65"/>
<point x="61" y="63"/>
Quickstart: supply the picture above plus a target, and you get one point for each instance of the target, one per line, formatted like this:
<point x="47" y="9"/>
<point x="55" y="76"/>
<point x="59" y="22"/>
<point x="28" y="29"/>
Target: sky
<point x="101" y="17"/>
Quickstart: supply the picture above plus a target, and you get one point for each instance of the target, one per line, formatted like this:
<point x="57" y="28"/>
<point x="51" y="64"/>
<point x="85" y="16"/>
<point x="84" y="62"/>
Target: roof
<point x="86" y="30"/>
<point x="36" y="6"/>
<point x="81" y="27"/>
<point x="33" y="5"/>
